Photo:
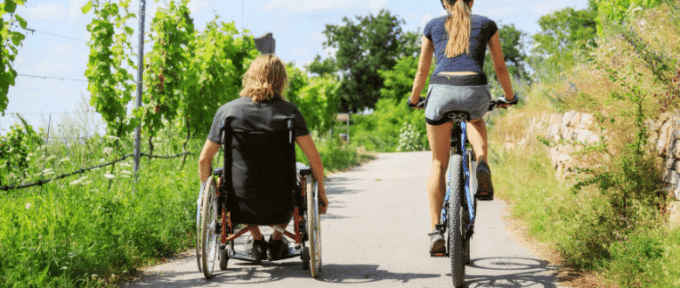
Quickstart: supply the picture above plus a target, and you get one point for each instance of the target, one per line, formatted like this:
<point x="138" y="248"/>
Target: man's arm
<point x="205" y="160"/>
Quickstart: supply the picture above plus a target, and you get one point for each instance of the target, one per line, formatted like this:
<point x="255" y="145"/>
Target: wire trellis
<point x="83" y="170"/>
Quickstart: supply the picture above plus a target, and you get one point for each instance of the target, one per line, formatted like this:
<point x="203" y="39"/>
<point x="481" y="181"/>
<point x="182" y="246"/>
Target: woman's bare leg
<point x="440" y="143"/>
<point x="476" y="133"/>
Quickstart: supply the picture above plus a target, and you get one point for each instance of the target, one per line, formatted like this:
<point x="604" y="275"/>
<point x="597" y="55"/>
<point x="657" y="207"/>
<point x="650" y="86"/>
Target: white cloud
<point x="45" y="12"/>
<point x="305" y="6"/>
<point x="376" y="5"/>
<point x="75" y="10"/>
<point x="197" y="5"/>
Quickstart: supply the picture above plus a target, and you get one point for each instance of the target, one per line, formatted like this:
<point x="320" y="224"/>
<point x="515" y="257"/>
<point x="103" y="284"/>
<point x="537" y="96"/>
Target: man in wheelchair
<point x="261" y="109"/>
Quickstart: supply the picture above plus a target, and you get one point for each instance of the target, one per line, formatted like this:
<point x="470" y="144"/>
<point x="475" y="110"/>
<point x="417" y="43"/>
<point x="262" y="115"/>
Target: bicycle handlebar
<point x="492" y="105"/>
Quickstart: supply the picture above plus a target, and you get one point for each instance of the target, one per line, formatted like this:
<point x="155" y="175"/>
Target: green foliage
<point x="373" y="43"/>
<point x="619" y="10"/>
<point x="316" y="97"/>
<point x="172" y="31"/>
<point x="378" y="131"/>
<point x="410" y="139"/>
<point x="336" y="155"/>
<point x="512" y="45"/>
<point x="398" y="80"/>
<point x="220" y="55"/>
<point x="109" y="82"/>
<point x="10" y="40"/>
<point x="563" y="32"/>
<point x="79" y="233"/>
<point x="16" y="150"/>
<point x="322" y="67"/>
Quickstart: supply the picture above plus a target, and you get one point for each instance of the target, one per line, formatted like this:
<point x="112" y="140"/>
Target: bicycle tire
<point x="469" y="154"/>
<point x="313" y="228"/>
<point x="455" y="235"/>
<point x="209" y="243"/>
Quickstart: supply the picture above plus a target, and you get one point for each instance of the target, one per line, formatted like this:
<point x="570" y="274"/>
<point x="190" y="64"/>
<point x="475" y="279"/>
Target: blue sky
<point x="297" y="26"/>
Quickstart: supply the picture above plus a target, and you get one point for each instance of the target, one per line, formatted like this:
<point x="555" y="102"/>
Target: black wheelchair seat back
<point x="259" y="176"/>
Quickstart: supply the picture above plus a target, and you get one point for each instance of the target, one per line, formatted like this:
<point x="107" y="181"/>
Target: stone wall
<point x="665" y="136"/>
<point x="571" y="132"/>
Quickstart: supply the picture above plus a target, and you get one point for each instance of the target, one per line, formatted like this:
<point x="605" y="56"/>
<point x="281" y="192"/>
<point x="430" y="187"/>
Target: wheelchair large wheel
<point x="313" y="228"/>
<point x="454" y="225"/>
<point x="208" y="231"/>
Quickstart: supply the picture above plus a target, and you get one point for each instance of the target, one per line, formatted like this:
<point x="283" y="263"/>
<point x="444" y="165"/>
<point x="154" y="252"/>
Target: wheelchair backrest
<point x="259" y="176"/>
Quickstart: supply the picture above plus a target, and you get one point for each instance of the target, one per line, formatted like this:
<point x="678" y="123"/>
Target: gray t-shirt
<point x="246" y="115"/>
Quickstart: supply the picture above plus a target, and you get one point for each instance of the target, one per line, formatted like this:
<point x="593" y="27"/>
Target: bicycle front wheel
<point x="454" y="223"/>
<point x="208" y="232"/>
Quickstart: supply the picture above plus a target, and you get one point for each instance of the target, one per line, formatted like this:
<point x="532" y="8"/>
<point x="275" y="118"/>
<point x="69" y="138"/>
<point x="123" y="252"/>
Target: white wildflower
<point x="126" y="172"/>
<point x="76" y="182"/>
<point x="64" y="268"/>
<point x="109" y="176"/>
<point x="65" y="160"/>
<point x="50" y="158"/>
<point x="101" y="160"/>
<point x="28" y="206"/>
<point x="108" y="150"/>
<point x="112" y="137"/>
<point x="125" y="165"/>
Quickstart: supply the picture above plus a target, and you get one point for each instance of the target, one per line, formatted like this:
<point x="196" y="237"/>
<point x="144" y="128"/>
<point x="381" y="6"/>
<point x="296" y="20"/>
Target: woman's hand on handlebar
<point x="416" y="102"/>
<point x="503" y="102"/>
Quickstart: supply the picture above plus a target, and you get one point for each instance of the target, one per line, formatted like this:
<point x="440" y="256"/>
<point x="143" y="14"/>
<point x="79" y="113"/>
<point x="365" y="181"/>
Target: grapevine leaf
<point x="86" y="9"/>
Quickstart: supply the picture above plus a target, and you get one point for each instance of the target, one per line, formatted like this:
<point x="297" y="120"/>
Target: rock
<point x="566" y="119"/>
<point x="586" y="121"/>
<point x="664" y="138"/>
<point x="674" y="218"/>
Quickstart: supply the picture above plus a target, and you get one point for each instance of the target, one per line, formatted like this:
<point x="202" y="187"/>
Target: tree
<point x="364" y="47"/>
<point x="512" y="45"/>
<point x="563" y="31"/>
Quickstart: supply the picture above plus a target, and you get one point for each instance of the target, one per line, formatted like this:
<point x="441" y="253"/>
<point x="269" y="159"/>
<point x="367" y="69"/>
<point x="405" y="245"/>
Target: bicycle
<point x="460" y="203"/>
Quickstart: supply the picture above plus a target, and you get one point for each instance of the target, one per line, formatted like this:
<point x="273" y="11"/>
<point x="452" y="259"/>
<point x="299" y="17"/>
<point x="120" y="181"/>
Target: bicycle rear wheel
<point x="209" y="237"/>
<point x="313" y="228"/>
<point x="455" y="229"/>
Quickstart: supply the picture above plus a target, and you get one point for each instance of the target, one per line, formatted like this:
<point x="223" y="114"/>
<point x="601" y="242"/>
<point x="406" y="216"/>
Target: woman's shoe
<point x="485" y="188"/>
<point x="437" y="242"/>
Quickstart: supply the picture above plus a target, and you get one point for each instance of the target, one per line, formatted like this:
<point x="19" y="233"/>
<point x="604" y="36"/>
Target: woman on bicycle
<point x="459" y="41"/>
<point x="262" y="107"/>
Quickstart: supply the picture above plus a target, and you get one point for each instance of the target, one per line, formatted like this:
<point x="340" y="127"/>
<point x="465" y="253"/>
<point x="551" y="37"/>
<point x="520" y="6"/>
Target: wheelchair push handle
<point x="501" y="100"/>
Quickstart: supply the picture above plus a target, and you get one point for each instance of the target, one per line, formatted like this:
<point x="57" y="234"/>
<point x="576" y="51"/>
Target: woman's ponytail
<point x="458" y="26"/>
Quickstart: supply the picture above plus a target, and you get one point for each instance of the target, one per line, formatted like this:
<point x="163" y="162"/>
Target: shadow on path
<point x="246" y="274"/>
<point x="510" y="272"/>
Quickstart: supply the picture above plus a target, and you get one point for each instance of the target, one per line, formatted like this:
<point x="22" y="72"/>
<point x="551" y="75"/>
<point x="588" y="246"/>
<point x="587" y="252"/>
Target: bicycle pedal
<point x="439" y="255"/>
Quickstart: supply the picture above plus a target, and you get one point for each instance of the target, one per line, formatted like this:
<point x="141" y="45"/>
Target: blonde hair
<point x="265" y="79"/>
<point x="458" y="25"/>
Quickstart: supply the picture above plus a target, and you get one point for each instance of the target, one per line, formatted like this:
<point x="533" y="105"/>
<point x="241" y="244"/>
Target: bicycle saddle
<point x="458" y="115"/>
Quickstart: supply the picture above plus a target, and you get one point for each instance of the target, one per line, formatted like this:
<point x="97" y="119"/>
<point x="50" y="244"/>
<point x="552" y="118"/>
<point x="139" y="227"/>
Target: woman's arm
<point x="499" y="65"/>
<point x="307" y="145"/>
<point x="205" y="160"/>
<point x="426" y="50"/>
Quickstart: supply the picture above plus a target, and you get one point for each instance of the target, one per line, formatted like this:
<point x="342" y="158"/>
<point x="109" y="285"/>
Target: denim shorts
<point x="446" y="93"/>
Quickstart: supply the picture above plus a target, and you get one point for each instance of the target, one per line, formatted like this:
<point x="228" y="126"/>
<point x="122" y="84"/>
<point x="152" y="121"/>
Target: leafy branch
<point x="10" y="40"/>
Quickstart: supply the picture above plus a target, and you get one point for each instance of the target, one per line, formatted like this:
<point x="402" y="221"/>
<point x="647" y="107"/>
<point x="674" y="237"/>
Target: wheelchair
<point x="260" y="163"/>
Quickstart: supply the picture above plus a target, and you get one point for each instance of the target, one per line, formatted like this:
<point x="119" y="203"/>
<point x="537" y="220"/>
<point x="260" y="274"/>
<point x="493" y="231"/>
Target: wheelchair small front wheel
<point x="224" y="258"/>
<point x="208" y="229"/>
<point x="313" y="228"/>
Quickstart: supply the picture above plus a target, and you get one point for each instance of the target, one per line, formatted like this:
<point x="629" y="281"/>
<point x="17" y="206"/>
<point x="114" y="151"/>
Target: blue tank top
<point x="482" y="30"/>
